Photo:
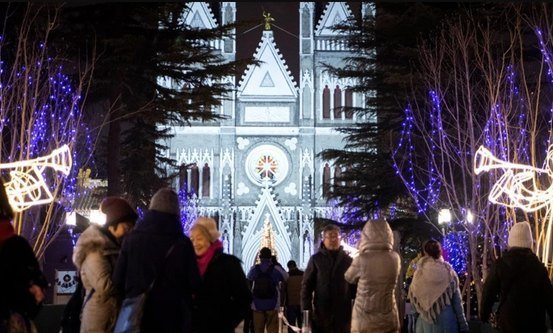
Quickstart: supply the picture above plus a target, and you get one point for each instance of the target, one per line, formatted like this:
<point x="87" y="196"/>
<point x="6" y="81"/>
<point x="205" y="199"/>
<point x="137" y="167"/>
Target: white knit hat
<point x="165" y="200"/>
<point x="520" y="235"/>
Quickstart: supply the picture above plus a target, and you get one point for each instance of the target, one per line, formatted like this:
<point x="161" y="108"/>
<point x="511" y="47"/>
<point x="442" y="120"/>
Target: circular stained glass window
<point x="267" y="162"/>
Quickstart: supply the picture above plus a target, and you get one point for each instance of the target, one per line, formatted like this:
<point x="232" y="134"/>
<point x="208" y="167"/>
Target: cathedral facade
<point x="257" y="171"/>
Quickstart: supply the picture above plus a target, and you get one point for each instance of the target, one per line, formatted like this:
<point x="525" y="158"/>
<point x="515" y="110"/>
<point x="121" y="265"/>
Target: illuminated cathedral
<point x="257" y="171"/>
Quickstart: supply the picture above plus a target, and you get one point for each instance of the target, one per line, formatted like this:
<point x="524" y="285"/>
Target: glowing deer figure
<point x="518" y="187"/>
<point x="27" y="186"/>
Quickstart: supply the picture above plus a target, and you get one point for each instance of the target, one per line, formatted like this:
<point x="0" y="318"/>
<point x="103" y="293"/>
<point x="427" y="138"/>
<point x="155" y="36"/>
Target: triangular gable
<point x="267" y="81"/>
<point x="200" y="16"/>
<point x="335" y="12"/>
<point x="256" y="79"/>
<point x="254" y="230"/>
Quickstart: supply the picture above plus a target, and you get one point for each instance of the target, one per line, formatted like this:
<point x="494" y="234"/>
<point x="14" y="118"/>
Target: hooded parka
<point x="95" y="256"/>
<point x="375" y="270"/>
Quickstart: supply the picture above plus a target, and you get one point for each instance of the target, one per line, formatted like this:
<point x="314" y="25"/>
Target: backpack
<point x="263" y="285"/>
<point x="71" y="319"/>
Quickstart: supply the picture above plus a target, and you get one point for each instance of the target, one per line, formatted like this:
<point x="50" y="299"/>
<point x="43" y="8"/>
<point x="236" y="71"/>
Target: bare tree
<point x="40" y="97"/>
<point x="481" y="86"/>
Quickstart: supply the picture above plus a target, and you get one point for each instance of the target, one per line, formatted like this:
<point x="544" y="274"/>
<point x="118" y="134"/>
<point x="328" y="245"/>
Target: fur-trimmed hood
<point x="93" y="239"/>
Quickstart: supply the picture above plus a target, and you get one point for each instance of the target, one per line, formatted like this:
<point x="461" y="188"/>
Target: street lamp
<point x="97" y="217"/>
<point x="71" y="218"/>
<point x="444" y="216"/>
<point x="469" y="217"/>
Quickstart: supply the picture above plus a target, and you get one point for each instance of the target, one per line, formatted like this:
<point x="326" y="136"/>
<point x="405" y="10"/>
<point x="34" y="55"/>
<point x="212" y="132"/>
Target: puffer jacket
<point x="95" y="256"/>
<point x="375" y="270"/>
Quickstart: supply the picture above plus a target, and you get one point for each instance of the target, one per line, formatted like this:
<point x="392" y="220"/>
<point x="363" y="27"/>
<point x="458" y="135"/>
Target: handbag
<point x="129" y="319"/>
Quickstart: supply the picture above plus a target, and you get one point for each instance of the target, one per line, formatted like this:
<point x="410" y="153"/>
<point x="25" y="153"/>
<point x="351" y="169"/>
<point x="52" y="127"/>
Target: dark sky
<point x="286" y="15"/>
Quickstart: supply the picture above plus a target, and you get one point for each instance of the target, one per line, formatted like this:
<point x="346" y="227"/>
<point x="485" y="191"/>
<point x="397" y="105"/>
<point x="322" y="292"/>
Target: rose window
<point x="266" y="162"/>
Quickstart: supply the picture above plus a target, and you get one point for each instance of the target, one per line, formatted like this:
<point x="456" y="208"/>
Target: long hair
<point x="6" y="212"/>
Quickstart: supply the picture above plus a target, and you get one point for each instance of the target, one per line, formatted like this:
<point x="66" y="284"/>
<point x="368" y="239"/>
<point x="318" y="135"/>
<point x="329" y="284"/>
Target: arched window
<point x="326" y="180"/>
<point x="349" y="103"/>
<point x="326" y="103"/>
<point x="206" y="181"/>
<point x="194" y="179"/>
<point x="183" y="178"/>
<point x="337" y="103"/>
<point x="337" y="174"/>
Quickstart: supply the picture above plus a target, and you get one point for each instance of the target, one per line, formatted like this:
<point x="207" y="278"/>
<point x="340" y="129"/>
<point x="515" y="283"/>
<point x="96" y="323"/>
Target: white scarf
<point x="432" y="288"/>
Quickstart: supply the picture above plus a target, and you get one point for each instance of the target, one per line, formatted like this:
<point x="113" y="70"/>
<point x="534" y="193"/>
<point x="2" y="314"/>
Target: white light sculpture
<point x="518" y="187"/>
<point x="27" y="186"/>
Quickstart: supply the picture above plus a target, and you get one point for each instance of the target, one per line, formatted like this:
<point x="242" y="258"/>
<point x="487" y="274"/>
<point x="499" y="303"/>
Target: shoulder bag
<point x="132" y="309"/>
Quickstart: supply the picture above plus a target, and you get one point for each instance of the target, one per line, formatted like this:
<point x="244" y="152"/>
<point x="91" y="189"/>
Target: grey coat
<point x="95" y="255"/>
<point x="375" y="270"/>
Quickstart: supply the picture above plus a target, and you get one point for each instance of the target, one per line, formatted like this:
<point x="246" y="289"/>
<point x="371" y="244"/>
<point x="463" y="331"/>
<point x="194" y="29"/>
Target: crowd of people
<point x="193" y="286"/>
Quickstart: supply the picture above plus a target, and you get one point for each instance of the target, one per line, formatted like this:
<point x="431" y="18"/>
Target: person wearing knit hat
<point x="22" y="283"/>
<point x="522" y="283"/>
<point x="520" y="235"/>
<point x="117" y="210"/>
<point x="224" y="283"/>
<point x="165" y="200"/>
<point x="95" y="255"/>
<point x="158" y="250"/>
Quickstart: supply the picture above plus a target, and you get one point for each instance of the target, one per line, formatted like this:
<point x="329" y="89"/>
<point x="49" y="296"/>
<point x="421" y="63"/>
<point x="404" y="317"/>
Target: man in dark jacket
<point x="522" y="283"/>
<point x="144" y="257"/>
<point x="325" y="292"/>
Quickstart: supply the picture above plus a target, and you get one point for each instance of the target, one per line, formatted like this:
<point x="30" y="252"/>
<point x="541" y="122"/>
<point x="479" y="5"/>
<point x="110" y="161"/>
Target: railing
<point x="283" y="323"/>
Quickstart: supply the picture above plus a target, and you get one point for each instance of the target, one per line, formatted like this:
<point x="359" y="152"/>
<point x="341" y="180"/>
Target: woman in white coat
<point x="375" y="270"/>
<point x="95" y="256"/>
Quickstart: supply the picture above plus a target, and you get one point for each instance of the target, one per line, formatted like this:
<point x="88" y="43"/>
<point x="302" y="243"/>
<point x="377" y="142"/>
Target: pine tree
<point x="136" y="45"/>
<point x="384" y="48"/>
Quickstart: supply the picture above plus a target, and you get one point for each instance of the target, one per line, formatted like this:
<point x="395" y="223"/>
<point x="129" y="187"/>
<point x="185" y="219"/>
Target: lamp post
<point x="469" y="217"/>
<point x="444" y="217"/>
<point x="97" y="217"/>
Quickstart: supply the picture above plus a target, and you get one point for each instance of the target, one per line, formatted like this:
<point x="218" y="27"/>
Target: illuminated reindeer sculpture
<point x="27" y="186"/>
<point x="519" y="187"/>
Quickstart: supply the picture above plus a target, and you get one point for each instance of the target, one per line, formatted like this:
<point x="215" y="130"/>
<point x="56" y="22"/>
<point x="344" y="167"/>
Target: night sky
<point x="286" y="15"/>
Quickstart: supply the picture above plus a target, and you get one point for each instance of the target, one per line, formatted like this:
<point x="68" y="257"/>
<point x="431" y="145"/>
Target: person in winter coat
<point x="522" y="284"/>
<point x="223" y="299"/>
<point x="266" y="299"/>
<point x="22" y="283"/>
<point x="293" y="295"/>
<point x="375" y="270"/>
<point x="95" y="255"/>
<point x="325" y="292"/>
<point x="145" y="255"/>
<point x="435" y="295"/>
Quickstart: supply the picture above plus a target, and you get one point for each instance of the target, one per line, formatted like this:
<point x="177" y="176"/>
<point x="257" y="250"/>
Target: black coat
<point x="524" y="290"/>
<point x="19" y="269"/>
<point x="224" y="297"/>
<point x="324" y="275"/>
<point x="168" y="305"/>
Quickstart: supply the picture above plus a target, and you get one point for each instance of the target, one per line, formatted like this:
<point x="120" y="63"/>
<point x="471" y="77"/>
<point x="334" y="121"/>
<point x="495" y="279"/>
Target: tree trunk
<point x="114" y="153"/>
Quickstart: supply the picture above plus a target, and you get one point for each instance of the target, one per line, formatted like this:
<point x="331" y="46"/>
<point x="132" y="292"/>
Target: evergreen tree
<point x="136" y="45"/>
<point x="384" y="47"/>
